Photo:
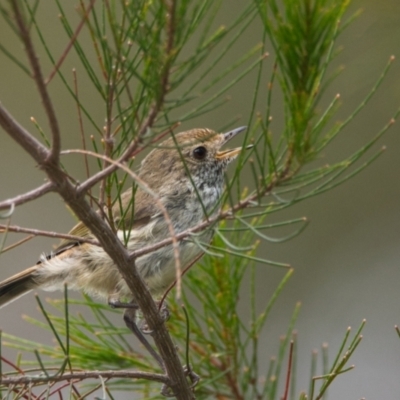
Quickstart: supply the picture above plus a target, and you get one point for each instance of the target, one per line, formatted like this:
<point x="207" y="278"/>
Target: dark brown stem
<point x="186" y="269"/>
<point x="112" y="246"/>
<point x="53" y="156"/>
<point x="28" y="196"/>
<point x="289" y="371"/>
<point x="38" y="232"/>
<point x="154" y="109"/>
<point x="108" y="141"/>
<point x="16" y="244"/>
<point x="71" y="42"/>
<point x="81" y="129"/>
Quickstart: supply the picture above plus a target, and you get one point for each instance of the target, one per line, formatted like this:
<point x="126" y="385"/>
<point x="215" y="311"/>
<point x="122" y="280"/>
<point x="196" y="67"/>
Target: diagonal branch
<point x="71" y="42"/>
<point x="112" y="246"/>
<point x="53" y="156"/>
<point x="82" y="375"/>
<point x="28" y="196"/>
<point x="29" y="143"/>
<point x="154" y="109"/>
<point x="38" y="232"/>
<point x="49" y="162"/>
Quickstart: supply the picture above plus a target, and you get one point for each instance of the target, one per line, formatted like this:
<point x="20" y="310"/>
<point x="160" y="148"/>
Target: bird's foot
<point x="166" y="391"/>
<point x="164" y="314"/>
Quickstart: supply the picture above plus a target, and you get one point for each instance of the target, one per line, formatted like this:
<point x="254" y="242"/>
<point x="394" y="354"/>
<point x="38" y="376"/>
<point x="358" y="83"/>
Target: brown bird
<point x="187" y="177"/>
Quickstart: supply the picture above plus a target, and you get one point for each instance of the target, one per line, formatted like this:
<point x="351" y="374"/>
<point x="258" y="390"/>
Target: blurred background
<point x="347" y="262"/>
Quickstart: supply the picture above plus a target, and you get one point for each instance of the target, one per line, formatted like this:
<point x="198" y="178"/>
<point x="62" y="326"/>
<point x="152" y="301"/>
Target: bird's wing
<point x="127" y="215"/>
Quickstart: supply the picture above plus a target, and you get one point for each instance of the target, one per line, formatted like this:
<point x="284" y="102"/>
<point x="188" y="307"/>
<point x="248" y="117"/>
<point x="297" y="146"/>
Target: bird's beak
<point x="231" y="153"/>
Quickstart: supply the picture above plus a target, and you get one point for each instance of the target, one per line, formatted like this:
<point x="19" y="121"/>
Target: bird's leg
<point x="130" y="321"/>
<point x="114" y="302"/>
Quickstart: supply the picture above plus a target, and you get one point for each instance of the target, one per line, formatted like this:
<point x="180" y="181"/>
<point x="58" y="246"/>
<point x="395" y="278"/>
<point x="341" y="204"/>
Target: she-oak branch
<point x="74" y="196"/>
<point x="49" y="162"/>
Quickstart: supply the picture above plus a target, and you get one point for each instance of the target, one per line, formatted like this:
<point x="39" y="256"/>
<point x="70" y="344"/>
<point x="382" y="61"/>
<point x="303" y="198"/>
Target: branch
<point x="38" y="232"/>
<point x="71" y="42"/>
<point x="28" y="196"/>
<point x="80" y="376"/>
<point x="49" y="161"/>
<point x="16" y="244"/>
<point x="112" y="246"/>
<point x="31" y="145"/>
<point x="53" y="156"/>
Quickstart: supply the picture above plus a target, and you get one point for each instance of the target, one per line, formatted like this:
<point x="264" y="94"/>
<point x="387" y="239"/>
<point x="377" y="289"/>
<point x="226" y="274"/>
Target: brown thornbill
<point x="189" y="183"/>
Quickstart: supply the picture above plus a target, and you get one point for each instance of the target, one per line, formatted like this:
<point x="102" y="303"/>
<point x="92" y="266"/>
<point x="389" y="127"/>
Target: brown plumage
<point x="188" y="182"/>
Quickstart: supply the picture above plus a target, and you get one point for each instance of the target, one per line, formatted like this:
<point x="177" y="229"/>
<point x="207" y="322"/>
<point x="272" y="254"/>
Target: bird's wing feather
<point x="135" y="215"/>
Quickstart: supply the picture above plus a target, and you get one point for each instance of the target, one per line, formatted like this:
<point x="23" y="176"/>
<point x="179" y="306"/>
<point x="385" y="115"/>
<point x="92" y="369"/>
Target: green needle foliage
<point x="156" y="64"/>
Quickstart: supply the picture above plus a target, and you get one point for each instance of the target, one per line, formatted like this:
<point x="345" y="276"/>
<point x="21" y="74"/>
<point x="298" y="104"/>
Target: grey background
<point x="346" y="262"/>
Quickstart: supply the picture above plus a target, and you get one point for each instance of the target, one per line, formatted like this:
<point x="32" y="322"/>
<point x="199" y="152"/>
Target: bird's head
<point x="197" y="151"/>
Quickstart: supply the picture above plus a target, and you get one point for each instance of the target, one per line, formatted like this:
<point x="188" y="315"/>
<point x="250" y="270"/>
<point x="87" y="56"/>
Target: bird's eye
<point x="199" y="153"/>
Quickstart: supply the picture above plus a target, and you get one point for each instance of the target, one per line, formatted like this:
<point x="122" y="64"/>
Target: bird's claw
<point x="164" y="314"/>
<point x="194" y="378"/>
<point x="167" y="391"/>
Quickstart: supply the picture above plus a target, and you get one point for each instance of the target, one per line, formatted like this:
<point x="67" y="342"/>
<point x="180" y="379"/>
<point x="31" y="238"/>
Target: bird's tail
<point x="17" y="286"/>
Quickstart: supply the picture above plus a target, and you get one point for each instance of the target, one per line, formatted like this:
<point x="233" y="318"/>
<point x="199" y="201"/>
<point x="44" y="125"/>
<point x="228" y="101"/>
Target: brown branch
<point x="38" y="232"/>
<point x="164" y="77"/>
<point x="81" y="128"/>
<point x="112" y="246"/>
<point x="82" y="375"/>
<point x="289" y="371"/>
<point x="155" y="108"/>
<point x="28" y="196"/>
<point x="11" y="364"/>
<point x="49" y="162"/>
<point x="31" y="145"/>
<point x="16" y="244"/>
<point x="107" y="139"/>
<point x="71" y="42"/>
<point x="186" y="269"/>
<point x="53" y="156"/>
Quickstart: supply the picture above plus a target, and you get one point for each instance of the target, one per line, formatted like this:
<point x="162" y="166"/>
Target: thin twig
<point x="53" y="156"/>
<point x="289" y="371"/>
<point x="81" y="129"/>
<point x="112" y="246"/>
<point x="70" y="44"/>
<point x="82" y="375"/>
<point x="194" y="261"/>
<point x="28" y="142"/>
<point x="28" y="196"/>
<point x="38" y="232"/>
<point x="16" y="244"/>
